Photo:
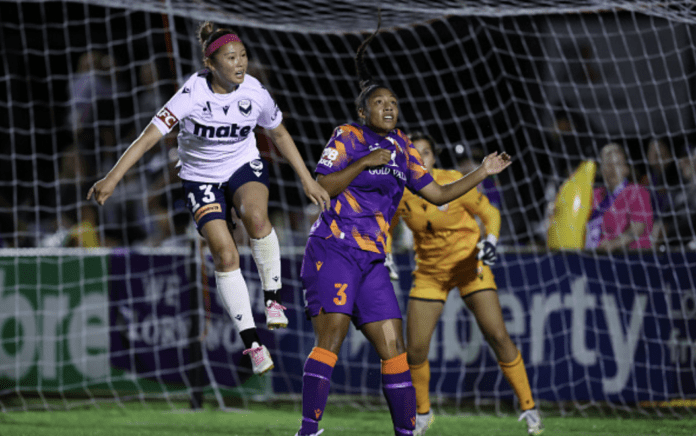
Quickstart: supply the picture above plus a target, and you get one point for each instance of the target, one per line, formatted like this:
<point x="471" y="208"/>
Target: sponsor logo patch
<point x="244" y="107"/>
<point x="205" y="210"/>
<point x="207" y="110"/>
<point x="256" y="164"/>
<point x="167" y="118"/>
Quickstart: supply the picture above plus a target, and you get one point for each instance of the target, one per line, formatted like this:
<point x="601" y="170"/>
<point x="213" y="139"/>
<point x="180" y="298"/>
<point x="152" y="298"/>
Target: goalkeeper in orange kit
<point x="448" y="256"/>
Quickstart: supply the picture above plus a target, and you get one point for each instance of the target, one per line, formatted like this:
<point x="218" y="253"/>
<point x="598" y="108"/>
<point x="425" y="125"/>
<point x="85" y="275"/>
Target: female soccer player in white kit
<point x="217" y="110"/>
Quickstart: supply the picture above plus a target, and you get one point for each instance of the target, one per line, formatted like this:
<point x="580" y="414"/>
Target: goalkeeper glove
<point x="391" y="266"/>
<point x="487" y="250"/>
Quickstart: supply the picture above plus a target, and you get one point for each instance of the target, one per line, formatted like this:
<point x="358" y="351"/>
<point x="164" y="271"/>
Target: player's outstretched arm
<point x="282" y="139"/>
<point x="103" y="189"/>
<point x="441" y="194"/>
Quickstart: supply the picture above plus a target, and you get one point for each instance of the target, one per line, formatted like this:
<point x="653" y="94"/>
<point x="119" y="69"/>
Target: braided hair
<point x="367" y="84"/>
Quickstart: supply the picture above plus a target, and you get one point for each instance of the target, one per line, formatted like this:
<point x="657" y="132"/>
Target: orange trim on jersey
<point x="354" y="130"/>
<point x="395" y="365"/>
<point x="335" y="230"/>
<point x="338" y="207"/>
<point x="364" y="242"/>
<point x="205" y="210"/>
<point x="383" y="225"/>
<point x="341" y="148"/>
<point x="381" y="240"/>
<point x="384" y="228"/>
<point x="323" y="356"/>
<point x="417" y="169"/>
<point x="352" y="201"/>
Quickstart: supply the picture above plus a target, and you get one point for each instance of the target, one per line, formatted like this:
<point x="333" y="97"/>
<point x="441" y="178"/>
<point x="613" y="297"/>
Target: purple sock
<point x="401" y="397"/>
<point x="316" y="382"/>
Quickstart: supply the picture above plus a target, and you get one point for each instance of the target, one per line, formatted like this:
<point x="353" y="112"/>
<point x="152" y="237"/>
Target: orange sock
<point x="420" y="374"/>
<point x="400" y="394"/>
<point x="323" y="356"/>
<point x="516" y="374"/>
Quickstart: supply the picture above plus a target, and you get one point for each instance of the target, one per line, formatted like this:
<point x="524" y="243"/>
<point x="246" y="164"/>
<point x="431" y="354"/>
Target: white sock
<point x="266" y="253"/>
<point x="235" y="296"/>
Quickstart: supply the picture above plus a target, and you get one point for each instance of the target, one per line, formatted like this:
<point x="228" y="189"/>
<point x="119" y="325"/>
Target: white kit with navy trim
<point x="216" y="132"/>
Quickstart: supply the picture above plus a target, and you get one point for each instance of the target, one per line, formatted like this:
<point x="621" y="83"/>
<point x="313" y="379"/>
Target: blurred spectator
<point x="683" y="230"/>
<point x="7" y="223"/>
<point x="621" y="216"/>
<point x="662" y="181"/>
<point x="73" y="222"/>
<point x="173" y="227"/>
<point x="570" y="142"/>
<point x="124" y="219"/>
<point x="91" y="92"/>
<point x="468" y="159"/>
<point x="149" y="97"/>
<point x="164" y="222"/>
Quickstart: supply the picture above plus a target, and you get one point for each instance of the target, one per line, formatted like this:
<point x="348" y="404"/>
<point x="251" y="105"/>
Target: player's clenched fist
<point x="377" y="158"/>
<point x="102" y="190"/>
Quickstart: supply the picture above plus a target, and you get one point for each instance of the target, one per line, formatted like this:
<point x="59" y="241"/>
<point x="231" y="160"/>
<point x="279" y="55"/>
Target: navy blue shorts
<point x="213" y="201"/>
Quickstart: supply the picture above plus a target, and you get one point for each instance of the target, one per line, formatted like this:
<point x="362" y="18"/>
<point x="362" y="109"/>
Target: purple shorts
<point x="343" y="279"/>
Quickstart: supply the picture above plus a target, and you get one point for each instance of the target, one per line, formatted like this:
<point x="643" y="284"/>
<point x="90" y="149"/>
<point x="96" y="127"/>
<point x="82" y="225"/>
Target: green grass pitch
<point x="282" y="418"/>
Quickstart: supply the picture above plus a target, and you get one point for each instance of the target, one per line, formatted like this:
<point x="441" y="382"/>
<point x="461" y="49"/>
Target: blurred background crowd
<point x="553" y="98"/>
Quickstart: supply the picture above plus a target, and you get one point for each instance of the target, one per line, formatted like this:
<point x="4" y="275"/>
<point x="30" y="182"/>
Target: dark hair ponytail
<point x="360" y="68"/>
<point x="367" y="83"/>
<point x="207" y="34"/>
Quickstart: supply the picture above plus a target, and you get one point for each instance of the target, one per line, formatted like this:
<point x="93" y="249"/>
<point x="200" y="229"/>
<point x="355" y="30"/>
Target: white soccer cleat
<point x="534" y="425"/>
<point x="391" y="266"/>
<point x="313" y="434"/>
<point x="261" y="361"/>
<point x="423" y="421"/>
<point x="275" y="317"/>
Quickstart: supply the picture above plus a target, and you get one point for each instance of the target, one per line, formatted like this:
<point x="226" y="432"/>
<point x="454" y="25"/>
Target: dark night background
<point x="491" y="83"/>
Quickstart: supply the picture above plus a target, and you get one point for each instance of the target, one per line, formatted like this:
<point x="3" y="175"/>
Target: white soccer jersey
<point x="216" y="132"/>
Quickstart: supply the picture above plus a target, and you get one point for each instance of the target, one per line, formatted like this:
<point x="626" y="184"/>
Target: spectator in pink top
<point x="622" y="216"/>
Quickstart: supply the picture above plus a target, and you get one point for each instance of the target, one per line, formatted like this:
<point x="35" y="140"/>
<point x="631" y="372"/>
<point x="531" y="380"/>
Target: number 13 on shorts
<point x="341" y="296"/>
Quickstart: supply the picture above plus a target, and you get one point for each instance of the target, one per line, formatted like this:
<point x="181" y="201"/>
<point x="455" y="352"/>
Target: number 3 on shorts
<point x="340" y="300"/>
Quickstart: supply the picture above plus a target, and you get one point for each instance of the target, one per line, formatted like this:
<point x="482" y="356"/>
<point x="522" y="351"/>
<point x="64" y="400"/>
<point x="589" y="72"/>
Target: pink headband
<point x="224" y="39"/>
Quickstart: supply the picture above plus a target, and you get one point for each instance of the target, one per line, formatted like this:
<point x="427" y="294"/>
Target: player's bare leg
<point x="251" y="201"/>
<point x="330" y="329"/>
<point x="485" y="306"/>
<point x="422" y="317"/>
<point x="234" y="293"/>
<point x="388" y="339"/>
<point x="386" y="336"/>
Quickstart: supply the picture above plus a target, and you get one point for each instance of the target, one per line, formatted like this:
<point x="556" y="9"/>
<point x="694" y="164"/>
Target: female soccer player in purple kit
<point x="365" y="168"/>
<point x="217" y="110"/>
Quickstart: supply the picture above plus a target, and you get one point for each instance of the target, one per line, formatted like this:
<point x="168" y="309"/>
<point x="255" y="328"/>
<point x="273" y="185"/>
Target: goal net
<point x="118" y="302"/>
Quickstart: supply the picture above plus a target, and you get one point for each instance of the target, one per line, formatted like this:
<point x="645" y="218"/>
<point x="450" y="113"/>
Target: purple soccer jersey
<point x="360" y="215"/>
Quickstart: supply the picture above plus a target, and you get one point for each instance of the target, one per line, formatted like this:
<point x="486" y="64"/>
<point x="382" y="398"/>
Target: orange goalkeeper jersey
<point x="444" y="235"/>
